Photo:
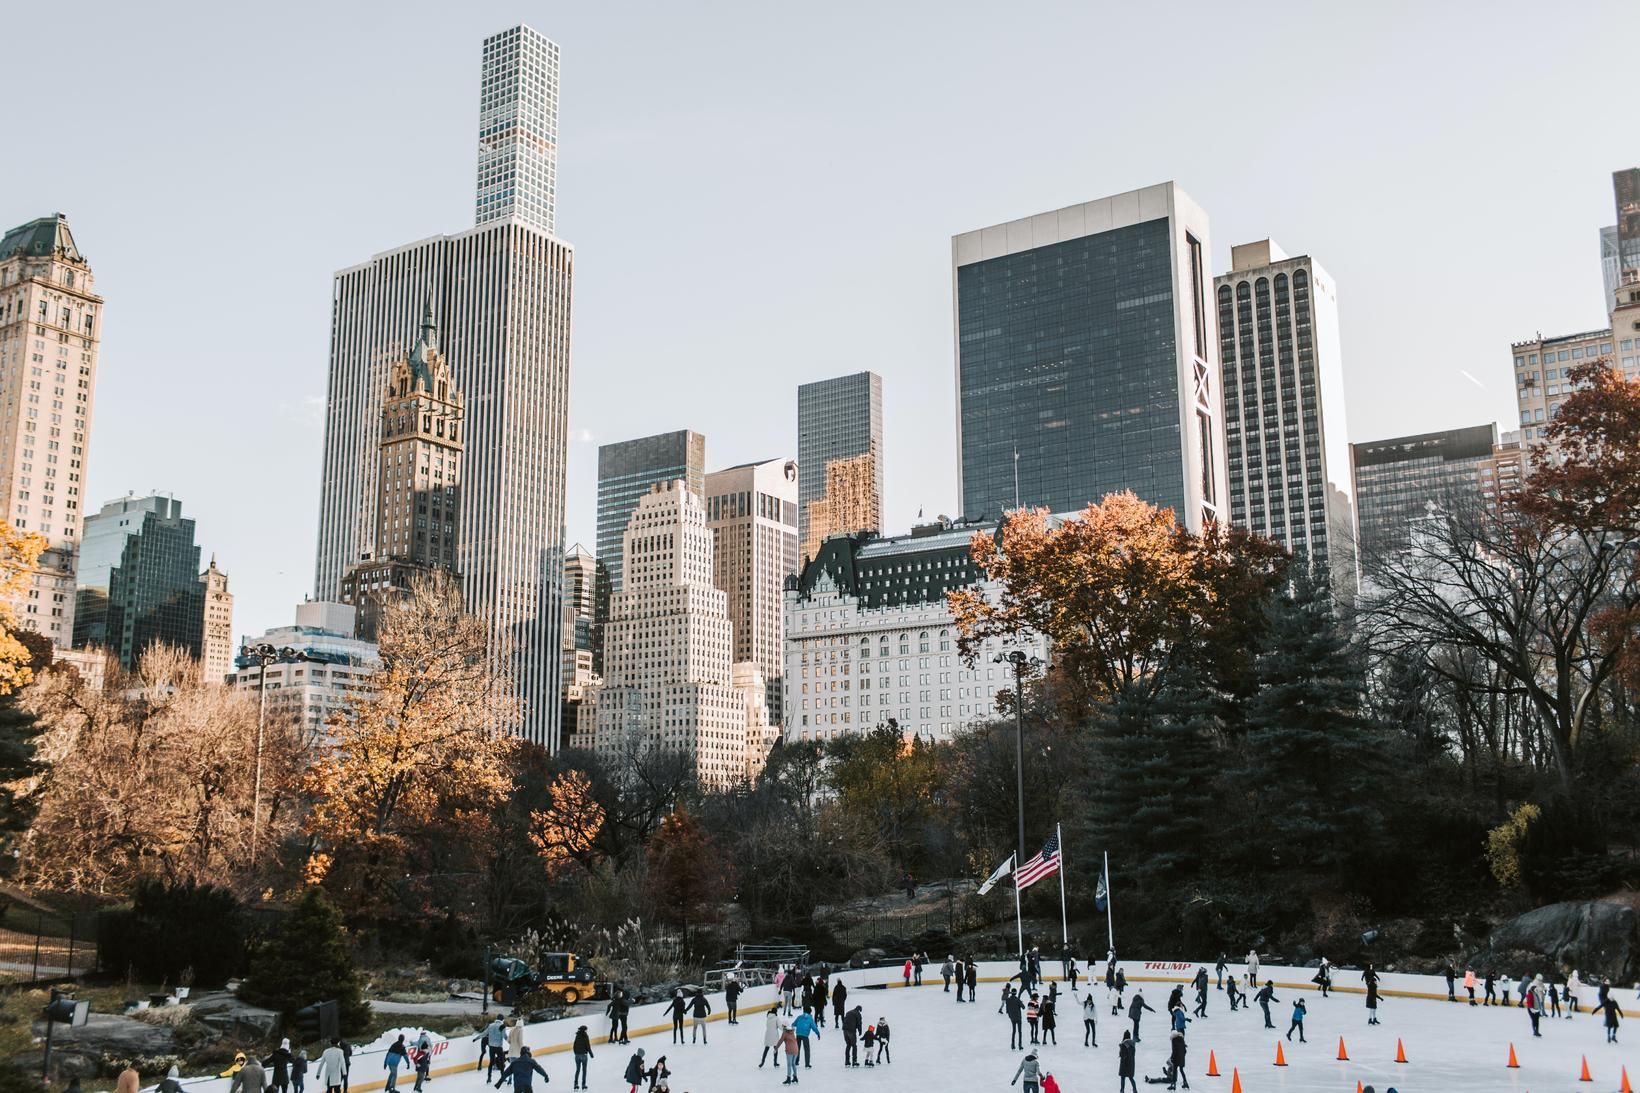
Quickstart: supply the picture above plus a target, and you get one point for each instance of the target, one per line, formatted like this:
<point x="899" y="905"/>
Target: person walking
<point x="853" y="1025"/>
<point x="839" y="996"/>
<point x="1049" y="1021"/>
<point x="677" y="1007"/>
<point x="1012" y="1007"/>
<point x="1033" y="1012"/>
<point x="1372" y="1001"/>
<point x="788" y="1047"/>
<point x="582" y="1050"/>
<point x="1299" y="1009"/>
<point x="1201" y="993"/>
<point x="1136" y="1010"/>
<point x="634" y="1074"/>
<point x="700" y="1008"/>
<point x="1176" y="1060"/>
<point x="731" y="999"/>
<point x="883" y="1056"/>
<point x="1031" y="1071"/>
<point x="280" y="1061"/>
<point x="332" y="1068"/>
<point x="804" y="1027"/>
<point x="397" y="1055"/>
<point x="1090" y="1021"/>
<point x="1233" y="992"/>
<point x="1125" y="1052"/>
<point x="945" y="973"/>
<point x="1613" y="1015"/>
<point x="1469" y="984"/>
<point x="1265" y="996"/>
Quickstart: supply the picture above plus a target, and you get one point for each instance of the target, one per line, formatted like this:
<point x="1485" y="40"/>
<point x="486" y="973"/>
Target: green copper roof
<point x="41" y="238"/>
<point x="420" y="371"/>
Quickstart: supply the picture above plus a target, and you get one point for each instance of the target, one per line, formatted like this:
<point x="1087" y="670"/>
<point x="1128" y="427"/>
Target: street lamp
<point x="1022" y="663"/>
<point x="265" y="654"/>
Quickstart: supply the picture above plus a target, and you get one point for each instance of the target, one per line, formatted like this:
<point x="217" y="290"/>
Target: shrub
<point x="308" y="959"/>
<point x="173" y="931"/>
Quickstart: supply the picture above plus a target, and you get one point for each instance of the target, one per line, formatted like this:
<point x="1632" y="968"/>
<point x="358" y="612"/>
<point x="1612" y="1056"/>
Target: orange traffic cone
<point x="1585" y="1077"/>
<point x="1514" y="1064"/>
<point x="1281" y="1059"/>
<point x="1625" y="1087"/>
<point x="1343" y="1055"/>
<point x="1235" y="1080"/>
<point x="1400" y="1052"/>
<point x="1212" y="1065"/>
<point x="1358" y="1085"/>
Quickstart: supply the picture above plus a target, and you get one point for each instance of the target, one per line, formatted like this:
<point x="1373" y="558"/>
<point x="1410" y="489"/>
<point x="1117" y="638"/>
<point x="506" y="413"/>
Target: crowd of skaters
<point x="1033" y="1006"/>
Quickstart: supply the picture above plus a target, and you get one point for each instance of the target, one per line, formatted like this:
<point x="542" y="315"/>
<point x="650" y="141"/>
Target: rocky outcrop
<point x="226" y="1013"/>
<point x="1597" y="938"/>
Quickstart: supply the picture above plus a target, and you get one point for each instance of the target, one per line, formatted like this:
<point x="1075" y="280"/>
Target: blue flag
<point x="1101" y="894"/>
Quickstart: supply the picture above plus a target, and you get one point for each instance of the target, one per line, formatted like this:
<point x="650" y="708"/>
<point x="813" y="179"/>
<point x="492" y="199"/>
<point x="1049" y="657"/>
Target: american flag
<point x="1045" y="864"/>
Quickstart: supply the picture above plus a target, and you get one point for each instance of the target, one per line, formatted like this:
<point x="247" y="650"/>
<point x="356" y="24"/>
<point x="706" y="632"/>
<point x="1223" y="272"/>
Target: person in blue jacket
<point x="805" y="1027"/>
<point x="1299" y="1010"/>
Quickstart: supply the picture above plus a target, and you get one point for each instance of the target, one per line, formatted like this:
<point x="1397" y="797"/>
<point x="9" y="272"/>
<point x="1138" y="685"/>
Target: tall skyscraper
<point x="751" y="511"/>
<point x="216" y="650"/>
<point x="627" y="469"/>
<point x="1286" y="446"/>
<point x="139" y="580"/>
<point x="518" y="129"/>
<point x="1398" y="480"/>
<point x="418" y="487"/>
<point x="839" y="458"/>
<point x="1085" y="352"/>
<point x="500" y="295"/>
<point x="50" y="331"/>
<point x="669" y="679"/>
<point x="1620" y="243"/>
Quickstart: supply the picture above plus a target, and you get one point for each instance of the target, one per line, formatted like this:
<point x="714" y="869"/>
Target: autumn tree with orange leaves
<point x="566" y="830"/>
<point x="19" y="550"/>
<point x="1124" y="593"/>
<point x="404" y="793"/>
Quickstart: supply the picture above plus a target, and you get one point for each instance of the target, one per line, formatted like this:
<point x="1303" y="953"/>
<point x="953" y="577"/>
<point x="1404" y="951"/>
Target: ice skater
<point x="883" y="1056"/>
<point x="1031" y="1071"/>
<point x="1372" y="1001"/>
<point x="700" y="1009"/>
<point x="1265" y="996"/>
<point x="1011" y="1005"/>
<point x="1299" y="1010"/>
<point x="1125" y="1052"/>
<point x="1090" y="1021"/>
<point x="771" y="1039"/>
<point x="1136" y="1010"/>
<point x="1613" y="1015"/>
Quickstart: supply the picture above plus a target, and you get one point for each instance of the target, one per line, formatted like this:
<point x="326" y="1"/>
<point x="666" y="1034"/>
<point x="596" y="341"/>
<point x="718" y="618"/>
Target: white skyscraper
<point x="670" y="683"/>
<point x="518" y="129"/>
<point x="500" y="298"/>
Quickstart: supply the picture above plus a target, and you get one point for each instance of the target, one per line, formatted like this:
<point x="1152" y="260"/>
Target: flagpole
<point x="1064" y="922"/>
<point x="1019" y="925"/>
<point x="1110" y="931"/>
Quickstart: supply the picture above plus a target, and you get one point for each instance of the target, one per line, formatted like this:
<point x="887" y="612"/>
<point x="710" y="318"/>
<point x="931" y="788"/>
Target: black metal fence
<point x="37" y="945"/>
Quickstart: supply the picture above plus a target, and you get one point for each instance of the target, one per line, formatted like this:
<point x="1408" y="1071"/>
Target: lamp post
<point x="264" y="654"/>
<point x="1022" y="663"/>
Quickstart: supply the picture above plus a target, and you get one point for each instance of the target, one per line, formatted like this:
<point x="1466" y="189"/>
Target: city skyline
<point x="876" y="267"/>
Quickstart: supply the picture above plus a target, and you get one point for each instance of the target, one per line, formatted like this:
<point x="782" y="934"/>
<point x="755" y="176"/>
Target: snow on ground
<point x="942" y="1047"/>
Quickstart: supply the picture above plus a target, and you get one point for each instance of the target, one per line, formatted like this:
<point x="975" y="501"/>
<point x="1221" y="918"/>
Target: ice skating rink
<point x="941" y="1047"/>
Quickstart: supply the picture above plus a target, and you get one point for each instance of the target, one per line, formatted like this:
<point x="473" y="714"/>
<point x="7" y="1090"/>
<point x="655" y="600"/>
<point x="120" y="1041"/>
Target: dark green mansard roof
<point x="41" y="238"/>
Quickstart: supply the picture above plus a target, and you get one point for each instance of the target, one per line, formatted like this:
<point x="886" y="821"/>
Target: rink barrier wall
<point x="558" y="1036"/>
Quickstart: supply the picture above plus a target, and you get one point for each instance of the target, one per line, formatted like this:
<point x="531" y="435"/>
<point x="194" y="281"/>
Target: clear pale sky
<point x="762" y="194"/>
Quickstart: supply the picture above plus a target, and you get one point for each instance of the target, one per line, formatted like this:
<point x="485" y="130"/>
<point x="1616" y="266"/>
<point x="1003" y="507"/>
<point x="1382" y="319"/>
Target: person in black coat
<point x="852" y="1022"/>
<point x="1136" y="1010"/>
<point x="677" y="1008"/>
<point x="973" y="979"/>
<point x="1125" y="1052"/>
<point x="1121" y="989"/>
<point x="839" y="996"/>
<point x="699" y="1009"/>
<point x="1372" y="1001"/>
<point x="731" y="998"/>
<point x="1176" y="1061"/>
<point x="1014" y="1008"/>
<point x="634" y="1075"/>
<point x="280" y="1061"/>
<point x="582" y="1049"/>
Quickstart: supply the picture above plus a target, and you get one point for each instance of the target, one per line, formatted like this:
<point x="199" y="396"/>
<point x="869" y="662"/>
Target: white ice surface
<point x="942" y="1047"/>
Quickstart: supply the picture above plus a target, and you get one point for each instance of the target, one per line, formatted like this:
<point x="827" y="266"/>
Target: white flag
<point x="1002" y="871"/>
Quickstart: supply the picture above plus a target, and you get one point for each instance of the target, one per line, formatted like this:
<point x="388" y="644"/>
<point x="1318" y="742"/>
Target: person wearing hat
<point x="1031" y="1071"/>
<point x="280" y="1061"/>
<point x="658" y="1074"/>
<point x="882" y="1041"/>
<point x="171" y="1084"/>
<point x="522" y="1071"/>
<point x="788" y="1044"/>
<point x="634" y="1071"/>
<point x="423" y="1058"/>
<point x="582" y="1049"/>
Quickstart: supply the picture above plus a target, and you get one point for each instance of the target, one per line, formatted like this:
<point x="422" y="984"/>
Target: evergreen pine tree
<point x="1155" y="757"/>
<point x="309" y="959"/>
<point x="1313" y="764"/>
